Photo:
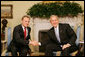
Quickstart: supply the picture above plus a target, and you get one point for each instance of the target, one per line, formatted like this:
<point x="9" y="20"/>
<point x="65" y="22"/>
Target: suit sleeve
<point x="71" y="34"/>
<point x="47" y="41"/>
<point x="17" y="37"/>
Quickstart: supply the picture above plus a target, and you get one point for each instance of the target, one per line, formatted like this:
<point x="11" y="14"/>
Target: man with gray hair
<point x="61" y="38"/>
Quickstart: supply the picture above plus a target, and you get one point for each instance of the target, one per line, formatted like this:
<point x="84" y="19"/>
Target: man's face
<point x="54" y="21"/>
<point x="25" y="21"/>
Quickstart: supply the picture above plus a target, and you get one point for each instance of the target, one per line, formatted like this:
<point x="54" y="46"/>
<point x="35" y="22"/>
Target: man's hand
<point x="34" y="43"/>
<point x="65" y="46"/>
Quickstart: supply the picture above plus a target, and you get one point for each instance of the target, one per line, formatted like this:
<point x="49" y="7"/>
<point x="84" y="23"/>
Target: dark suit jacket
<point x="67" y="35"/>
<point x="18" y="38"/>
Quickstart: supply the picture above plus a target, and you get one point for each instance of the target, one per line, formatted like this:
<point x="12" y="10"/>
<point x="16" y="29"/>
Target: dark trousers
<point x="53" y="47"/>
<point x="22" y="51"/>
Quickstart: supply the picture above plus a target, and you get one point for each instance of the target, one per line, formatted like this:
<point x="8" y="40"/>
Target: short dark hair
<point x="25" y="16"/>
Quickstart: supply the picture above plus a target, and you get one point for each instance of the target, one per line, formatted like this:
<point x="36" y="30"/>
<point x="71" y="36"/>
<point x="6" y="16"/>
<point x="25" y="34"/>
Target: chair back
<point x="78" y="34"/>
<point x="9" y="36"/>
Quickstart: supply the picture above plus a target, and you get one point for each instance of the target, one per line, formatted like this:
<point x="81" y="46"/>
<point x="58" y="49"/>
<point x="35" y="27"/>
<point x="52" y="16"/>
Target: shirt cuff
<point x="39" y="43"/>
<point x="29" y="42"/>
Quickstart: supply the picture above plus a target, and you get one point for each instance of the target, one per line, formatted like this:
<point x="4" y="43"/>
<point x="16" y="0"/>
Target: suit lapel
<point x="28" y="29"/>
<point x="53" y="34"/>
<point x="60" y="31"/>
<point x="21" y="30"/>
<point x="28" y="32"/>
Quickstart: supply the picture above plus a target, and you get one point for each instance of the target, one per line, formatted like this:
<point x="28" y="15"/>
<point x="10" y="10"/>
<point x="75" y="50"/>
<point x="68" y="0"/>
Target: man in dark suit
<point x="61" y="38"/>
<point x="21" y="38"/>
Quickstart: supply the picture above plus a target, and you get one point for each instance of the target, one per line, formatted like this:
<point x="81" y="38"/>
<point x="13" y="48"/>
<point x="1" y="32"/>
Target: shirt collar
<point x="23" y="27"/>
<point x="56" y="27"/>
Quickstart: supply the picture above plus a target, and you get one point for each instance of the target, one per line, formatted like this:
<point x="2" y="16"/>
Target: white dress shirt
<point x="57" y="33"/>
<point x="26" y="30"/>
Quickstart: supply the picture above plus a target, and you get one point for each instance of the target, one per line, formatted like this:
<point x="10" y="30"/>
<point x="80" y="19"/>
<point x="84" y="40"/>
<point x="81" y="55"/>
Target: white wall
<point x="19" y="9"/>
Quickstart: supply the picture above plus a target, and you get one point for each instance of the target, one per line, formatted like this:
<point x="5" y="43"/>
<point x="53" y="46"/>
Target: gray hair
<point x="53" y="16"/>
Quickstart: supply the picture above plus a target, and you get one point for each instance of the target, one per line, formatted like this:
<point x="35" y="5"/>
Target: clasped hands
<point x="34" y="43"/>
<point x="65" y="46"/>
